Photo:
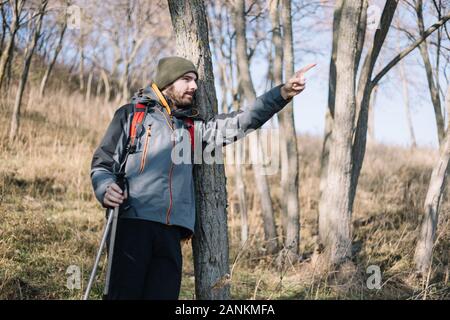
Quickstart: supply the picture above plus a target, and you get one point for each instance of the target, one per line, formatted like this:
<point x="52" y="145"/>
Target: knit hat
<point x="170" y="69"/>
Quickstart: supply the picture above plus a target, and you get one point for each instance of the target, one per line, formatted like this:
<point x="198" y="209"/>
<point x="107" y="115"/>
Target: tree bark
<point x="327" y="140"/>
<point x="249" y="95"/>
<point x="427" y="236"/>
<point x="210" y="244"/>
<point x="335" y="206"/>
<point x="15" y="120"/>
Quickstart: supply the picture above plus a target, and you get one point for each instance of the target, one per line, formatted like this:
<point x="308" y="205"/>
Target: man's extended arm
<point x="227" y="128"/>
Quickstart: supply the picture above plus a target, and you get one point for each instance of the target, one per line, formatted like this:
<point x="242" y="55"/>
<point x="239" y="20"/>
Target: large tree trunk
<point x="327" y="139"/>
<point x="329" y="117"/>
<point x="15" y="120"/>
<point x="210" y="244"/>
<point x="16" y="7"/>
<point x="427" y="236"/>
<point x="53" y="61"/>
<point x="335" y="206"/>
<point x="249" y="94"/>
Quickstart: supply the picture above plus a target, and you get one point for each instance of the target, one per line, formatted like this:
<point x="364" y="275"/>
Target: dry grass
<point x="50" y="220"/>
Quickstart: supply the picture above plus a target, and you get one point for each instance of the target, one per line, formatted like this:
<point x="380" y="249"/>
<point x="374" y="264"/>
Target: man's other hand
<point x="114" y="196"/>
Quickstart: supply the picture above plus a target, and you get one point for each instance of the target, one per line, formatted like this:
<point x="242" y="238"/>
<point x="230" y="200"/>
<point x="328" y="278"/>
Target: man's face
<point x="181" y="92"/>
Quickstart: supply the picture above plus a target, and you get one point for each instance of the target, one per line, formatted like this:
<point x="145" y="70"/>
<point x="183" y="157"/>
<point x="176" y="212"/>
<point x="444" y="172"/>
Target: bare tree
<point x="289" y="157"/>
<point x="223" y="54"/>
<point x="16" y="11"/>
<point x="335" y="205"/>
<point x="210" y="245"/>
<point x="249" y="94"/>
<point x="286" y="117"/>
<point x="136" y="36"/>
<point x="276" y="69"/>
<point x="432" y="81"/>
<point x="335" y="208"/>
<point x="34" y="36"/>
<point x="427" y="236"/>
<point x="53" y="60"/>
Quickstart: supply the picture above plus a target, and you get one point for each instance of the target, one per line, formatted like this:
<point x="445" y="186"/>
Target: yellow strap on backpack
<point x="161" y="98"/>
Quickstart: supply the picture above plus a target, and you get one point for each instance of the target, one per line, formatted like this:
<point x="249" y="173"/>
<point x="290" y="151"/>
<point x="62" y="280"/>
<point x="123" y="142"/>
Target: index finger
<point x="305" y="69"/>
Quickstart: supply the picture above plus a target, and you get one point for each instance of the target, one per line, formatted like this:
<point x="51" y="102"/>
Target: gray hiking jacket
<point x="161" y="189"/>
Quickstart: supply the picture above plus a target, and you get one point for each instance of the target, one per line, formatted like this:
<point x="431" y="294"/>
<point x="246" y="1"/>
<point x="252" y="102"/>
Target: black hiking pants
<point x="147" y="261"/>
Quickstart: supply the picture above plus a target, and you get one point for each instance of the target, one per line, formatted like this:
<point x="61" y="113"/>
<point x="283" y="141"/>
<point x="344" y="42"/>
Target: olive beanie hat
<point x="170" y="69"/>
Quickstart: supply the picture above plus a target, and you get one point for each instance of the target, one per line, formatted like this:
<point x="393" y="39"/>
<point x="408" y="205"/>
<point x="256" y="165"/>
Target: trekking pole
<point x="111" y="224"/>
<point x="112" y="239"/>
<point x="99" y="253"/>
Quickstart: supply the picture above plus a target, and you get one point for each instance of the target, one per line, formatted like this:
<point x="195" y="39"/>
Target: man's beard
<point x="179" y="100"/>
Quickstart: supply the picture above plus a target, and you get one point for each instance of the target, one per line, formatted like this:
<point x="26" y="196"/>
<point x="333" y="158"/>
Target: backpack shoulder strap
<point x="138" y="116"/>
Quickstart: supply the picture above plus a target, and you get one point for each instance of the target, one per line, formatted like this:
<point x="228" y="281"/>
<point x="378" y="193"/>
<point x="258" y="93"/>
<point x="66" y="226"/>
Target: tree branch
<point x="406" y="51"/>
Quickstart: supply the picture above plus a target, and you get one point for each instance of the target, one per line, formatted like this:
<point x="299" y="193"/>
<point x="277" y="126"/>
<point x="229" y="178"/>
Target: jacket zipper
<point x="169" y="211"/>
<point x="170" y="170"/>
<point x="145" y="151"/>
